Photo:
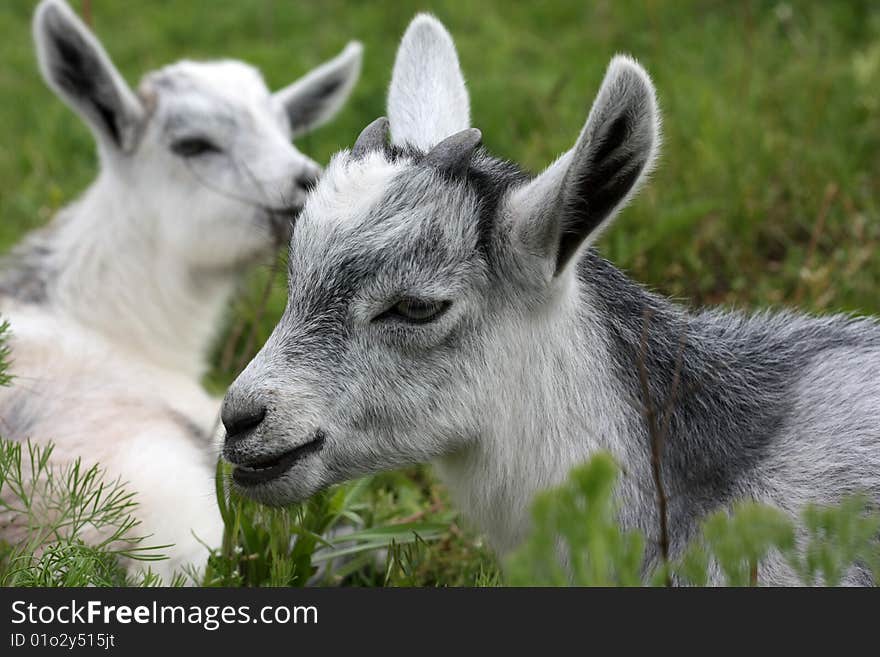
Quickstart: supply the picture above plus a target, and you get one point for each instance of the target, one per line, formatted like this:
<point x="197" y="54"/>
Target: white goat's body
<point x="103" y="264"/>
<point x="114" y="305"/>
<point x="108" y="339"/>
<point x="149" y="426"/>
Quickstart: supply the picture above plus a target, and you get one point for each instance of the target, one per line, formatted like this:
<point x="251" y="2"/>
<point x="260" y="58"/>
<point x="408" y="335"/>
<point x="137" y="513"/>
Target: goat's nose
<point x="241" y="419"/>
<point x="308" y="179"/>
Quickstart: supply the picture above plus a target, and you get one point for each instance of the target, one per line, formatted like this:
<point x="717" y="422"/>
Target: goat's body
<point x="443" y="305"/>
<point x="101" y="262"/>
<point x="108" y="372"/>
<point x="776" y="408"/>
<point x="148" y="426"/>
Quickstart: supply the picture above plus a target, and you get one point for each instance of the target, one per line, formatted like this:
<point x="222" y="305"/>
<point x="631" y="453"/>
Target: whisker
<point x="219" y="190"/>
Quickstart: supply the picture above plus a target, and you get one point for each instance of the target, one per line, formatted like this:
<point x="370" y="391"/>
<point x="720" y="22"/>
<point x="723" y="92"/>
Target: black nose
<point x="307" y="181"/>
<point x="240" y="422"/>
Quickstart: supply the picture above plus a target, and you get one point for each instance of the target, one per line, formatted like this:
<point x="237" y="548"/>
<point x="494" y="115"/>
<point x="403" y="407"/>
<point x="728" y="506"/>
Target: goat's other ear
<point x="315" y="98"/>
<point x="565" y="207"/>
<point x="78" y="69"/>
<point x="427" y="100"/>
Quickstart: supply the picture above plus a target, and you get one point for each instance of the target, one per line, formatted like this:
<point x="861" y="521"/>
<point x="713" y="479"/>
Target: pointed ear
<point x="78" y="69"/>
<point x="566" y="206"/>
<point x="315" y="98"/>
<point x="427" y="100"/>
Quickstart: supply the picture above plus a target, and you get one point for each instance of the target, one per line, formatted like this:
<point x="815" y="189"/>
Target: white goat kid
<point x="445" y="306"/>
<point x="114" y="304"/>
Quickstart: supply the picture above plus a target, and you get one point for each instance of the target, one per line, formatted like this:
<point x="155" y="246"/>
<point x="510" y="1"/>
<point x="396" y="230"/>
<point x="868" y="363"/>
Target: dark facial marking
<point x="489" y="178"/>
<point x="196" y="434"/>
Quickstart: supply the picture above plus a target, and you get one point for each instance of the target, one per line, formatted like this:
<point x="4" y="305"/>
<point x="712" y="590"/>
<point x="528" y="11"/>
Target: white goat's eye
<point x="193" y="147"/>
<point x="415" y="311"/>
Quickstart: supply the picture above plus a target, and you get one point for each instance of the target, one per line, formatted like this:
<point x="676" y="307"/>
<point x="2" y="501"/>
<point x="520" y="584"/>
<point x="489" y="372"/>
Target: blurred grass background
<point x="767" y="192"/>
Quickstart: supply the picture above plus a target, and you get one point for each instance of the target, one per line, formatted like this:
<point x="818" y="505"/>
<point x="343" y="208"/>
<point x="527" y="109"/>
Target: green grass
<point x="767" y="192"/>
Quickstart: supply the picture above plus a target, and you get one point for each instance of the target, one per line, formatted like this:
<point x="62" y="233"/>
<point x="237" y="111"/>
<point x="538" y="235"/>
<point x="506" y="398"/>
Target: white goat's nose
<point x="308" y="177"/>
<point x="307" y="181"/>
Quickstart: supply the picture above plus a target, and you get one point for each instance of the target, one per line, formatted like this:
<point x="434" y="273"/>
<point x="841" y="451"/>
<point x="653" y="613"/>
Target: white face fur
<point x="422" y="276"/>
<point x="202" y="149"/>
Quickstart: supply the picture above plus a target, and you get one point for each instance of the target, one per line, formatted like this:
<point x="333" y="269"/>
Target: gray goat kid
<point x="445" y="306"/>
<point x="114" y="304"/>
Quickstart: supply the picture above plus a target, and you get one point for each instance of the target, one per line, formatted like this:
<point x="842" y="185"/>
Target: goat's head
<point x="203" y="148"/>
<point x="410" y="261"/>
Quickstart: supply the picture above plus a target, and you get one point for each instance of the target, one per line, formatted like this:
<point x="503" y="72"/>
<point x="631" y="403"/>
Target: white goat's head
<point x="414" y="268"/>
<point x="203" y="149"/>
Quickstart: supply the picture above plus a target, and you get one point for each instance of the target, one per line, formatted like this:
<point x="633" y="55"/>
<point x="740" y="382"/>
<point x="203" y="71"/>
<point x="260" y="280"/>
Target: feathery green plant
<point x="5" y="378"/>
<point x="576" y="540"/>
<point x="48" y="509"/>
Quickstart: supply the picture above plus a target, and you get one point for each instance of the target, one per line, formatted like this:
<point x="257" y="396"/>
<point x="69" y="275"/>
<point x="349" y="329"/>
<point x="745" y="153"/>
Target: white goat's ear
<point x="78" y="69"/>
<point x="427" y="100"/>
<point x="315" y="98"/>
<point x="566" y="206"/>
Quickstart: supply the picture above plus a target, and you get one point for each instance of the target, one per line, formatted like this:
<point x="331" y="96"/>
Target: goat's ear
<point x="315" y="98"/>
<point x="78" y="69"/>
<point x="566" y="206"/>
<point x="427" y="100"/>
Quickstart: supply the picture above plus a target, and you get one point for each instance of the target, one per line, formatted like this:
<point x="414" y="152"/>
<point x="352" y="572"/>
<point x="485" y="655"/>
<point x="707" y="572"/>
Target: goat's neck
<point x="582" y="377"/>
<point x="556" y="400"/>
<point x="112" y="275"/>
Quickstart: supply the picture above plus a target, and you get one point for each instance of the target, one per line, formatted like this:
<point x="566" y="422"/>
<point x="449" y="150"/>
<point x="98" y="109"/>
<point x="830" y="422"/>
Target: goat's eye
<point x="415" y="311"/>
<point x="193" y="147"/>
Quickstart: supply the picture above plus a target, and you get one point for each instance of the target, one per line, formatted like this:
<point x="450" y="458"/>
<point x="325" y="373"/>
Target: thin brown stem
<point x="656" y="449"/>
<point x="87" y="12"/>
<point x="232" y="341"/>
<point x="673" y="390"/>
<point x="436" y="505"/>
<point x="247" y="353"/>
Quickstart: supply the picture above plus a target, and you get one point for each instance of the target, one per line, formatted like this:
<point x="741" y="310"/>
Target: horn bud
<point x="373" y="138"/>
<point x="453" y="155"/>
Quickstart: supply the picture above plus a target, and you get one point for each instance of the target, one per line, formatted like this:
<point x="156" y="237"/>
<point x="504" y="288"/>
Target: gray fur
<point x="737" y="392"/>
<point x="739" y="374"/>
<point x="535" y="362"/>
<point x="25" y="273"/>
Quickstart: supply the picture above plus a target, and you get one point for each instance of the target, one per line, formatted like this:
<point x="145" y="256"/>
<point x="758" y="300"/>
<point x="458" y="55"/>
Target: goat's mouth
<point x="282" y="220"/>
<point x="263" y="470"/>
